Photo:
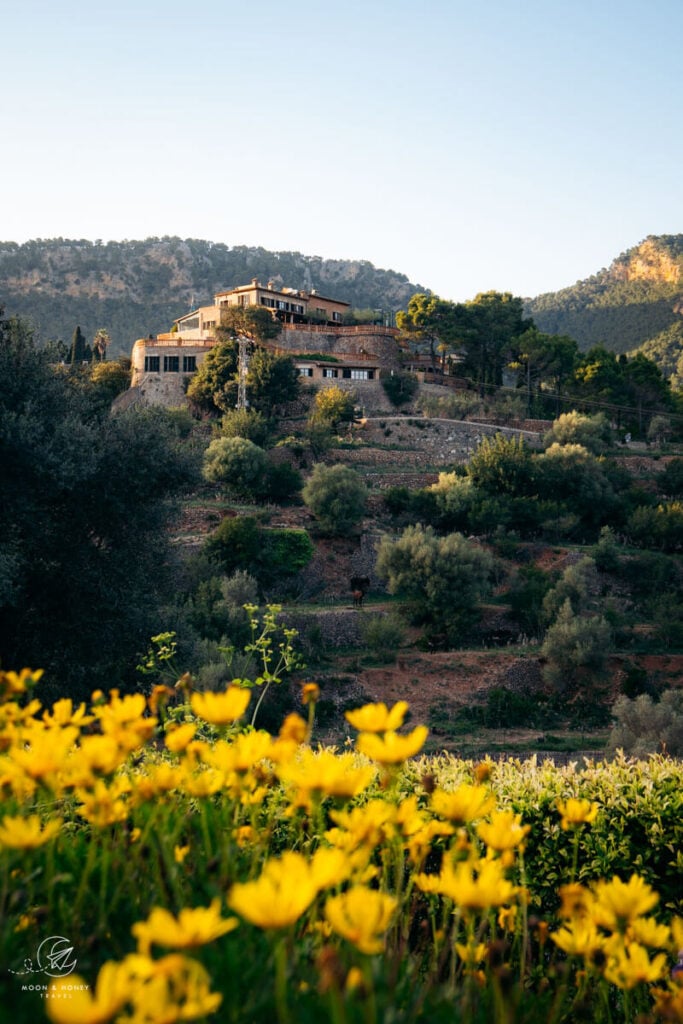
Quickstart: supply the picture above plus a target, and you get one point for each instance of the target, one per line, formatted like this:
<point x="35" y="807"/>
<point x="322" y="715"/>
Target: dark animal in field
<point x="358" y="596"/>
<point x="360" y="583"/>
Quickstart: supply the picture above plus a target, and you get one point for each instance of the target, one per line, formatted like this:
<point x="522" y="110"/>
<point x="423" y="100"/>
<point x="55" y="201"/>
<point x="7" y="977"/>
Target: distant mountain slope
<point x="136" y="288"/>
<point x="637" y="303"/>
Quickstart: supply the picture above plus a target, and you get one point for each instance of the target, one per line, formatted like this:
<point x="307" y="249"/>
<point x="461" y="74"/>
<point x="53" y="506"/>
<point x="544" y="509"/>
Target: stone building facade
<point x="325" y="353"/>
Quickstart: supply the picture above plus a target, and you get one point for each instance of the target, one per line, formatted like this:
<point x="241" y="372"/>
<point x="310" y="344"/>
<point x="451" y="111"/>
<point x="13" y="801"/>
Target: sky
<point x="469" y="144"/>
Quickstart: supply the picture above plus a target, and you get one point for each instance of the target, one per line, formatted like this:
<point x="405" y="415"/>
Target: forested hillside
<point x="136" y="288"/>
<point x="635" y="304"/>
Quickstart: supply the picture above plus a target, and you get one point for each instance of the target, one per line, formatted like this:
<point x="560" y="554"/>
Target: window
<point x="171" y="364"/>
<point x="337" y="317"/>
<point x="189" y="364"/>
<point x="296" y="308"/>
<point x="329" y="372"/>
<point x="362" y="374"/>
<point x="319" y="311"/>
<point x="305" y="371"/>
<point x="151" y="364"/>
<point x="243" y="300"/>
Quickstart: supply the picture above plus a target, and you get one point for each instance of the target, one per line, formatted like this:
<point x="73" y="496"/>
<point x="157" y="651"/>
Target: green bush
<point x="400" y="387"/>
<point x="247" y="423"/>
<point x="336" y="495"/>
<point x="575" y="650"/>
<point x="238" y="463"/>
<point x="383" y="635"/>
<point x="643" y="726"/>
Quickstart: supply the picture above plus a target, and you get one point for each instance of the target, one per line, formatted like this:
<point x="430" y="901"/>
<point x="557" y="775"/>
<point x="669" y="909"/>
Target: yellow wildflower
<point x="471" y="953"/>
<point x="631" y="965"/>
<point x="330" y="867"/>
<point x="180" y="853"/>
<point x="466" y="803"/>
<point x="193" y="927"/>
<point x="14" y="683"/>
<point x="507" y="918"/>
<point x="369" y="825"/>
<point x="175" y="988"/>
<point x="178" y="738"/>
<point x="647" y="932"/>
<point x="362" y="916"/>
<point x="126" y="719"/>
<point x="310" y="693"/>
<point x="44" y="755"/>
<point x="504" y="832"/>
<point x="241" y="753"/>
<point x="221" y="708"/>
<point x="71" y="1001"/>
<point x="285" y="890"/>
<point x="576" y="812"/>
<point x="293" y="730"/>
<point x="204" y="783"/>
<point x="63" y="714"/>
<point x="669" y="1003"/>
<point x="244" y="835"/>
<point x="104" y="805"/>
<point x="472" y="886"/>
<point x="323" y="771"/>
<point x="579" y="937"/>
<point x="617" y="902"/>
<point x="100" y="754"/>
<point x="377" y="717"/>
<point x="27" y="833"/>
<point x="392" y="748"/>
<point x="576" y="900"/>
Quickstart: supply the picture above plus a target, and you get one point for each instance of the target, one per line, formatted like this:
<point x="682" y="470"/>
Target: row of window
<point x="171" y="364"/>
<point x="285" y="307"/>
<point x="346" y="373"/>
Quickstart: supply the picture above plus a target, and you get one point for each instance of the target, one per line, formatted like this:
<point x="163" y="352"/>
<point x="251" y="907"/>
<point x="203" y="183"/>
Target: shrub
<point x="236" y="543"/>
<point x="283" y="481"/>
<point x="333" y="405"/>
<point x="660" y="527"/>
<point x="526" y="595"/>
<point x="442" y="578"/>
<point x="400" y="387"/>
<point x="336" y="495"/>
<point x="575" y="649"/>
<point x="238" y="463"/>
<point x="592" y="432"/>
<point x="383" y="635"/>
<point x="670" y="480"/>
<point x="247" y="423"/>
<point x="643" y="726"/>
<point x="578" y="585"/>
<point x="285" y="552"/>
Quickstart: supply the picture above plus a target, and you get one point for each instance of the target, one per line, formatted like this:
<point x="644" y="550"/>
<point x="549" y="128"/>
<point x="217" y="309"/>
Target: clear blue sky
<point x="470" y="144"/>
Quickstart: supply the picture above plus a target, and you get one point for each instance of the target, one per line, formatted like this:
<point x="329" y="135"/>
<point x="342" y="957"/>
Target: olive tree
<point x="442" y="578"/>
<point x="238" y="463"/>
<point x="336" y="495"/>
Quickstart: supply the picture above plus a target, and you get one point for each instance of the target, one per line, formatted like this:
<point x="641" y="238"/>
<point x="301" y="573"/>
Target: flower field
<point x="161" y="862"/>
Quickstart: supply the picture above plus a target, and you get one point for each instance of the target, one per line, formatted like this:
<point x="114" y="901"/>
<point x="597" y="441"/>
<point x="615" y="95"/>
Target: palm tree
<point x="100" y="343"/>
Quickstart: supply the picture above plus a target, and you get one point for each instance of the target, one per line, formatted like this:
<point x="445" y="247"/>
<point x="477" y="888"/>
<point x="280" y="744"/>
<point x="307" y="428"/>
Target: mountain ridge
<point x="135" y="288"/>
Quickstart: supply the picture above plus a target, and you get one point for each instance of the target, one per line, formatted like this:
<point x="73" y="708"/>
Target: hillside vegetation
<point x="635" y="304"/>
<point x="136" y="288"/>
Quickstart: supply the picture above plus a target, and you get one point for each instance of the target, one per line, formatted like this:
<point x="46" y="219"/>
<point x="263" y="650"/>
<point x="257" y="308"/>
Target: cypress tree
<point x="78" y="353"/>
